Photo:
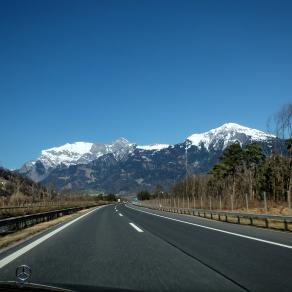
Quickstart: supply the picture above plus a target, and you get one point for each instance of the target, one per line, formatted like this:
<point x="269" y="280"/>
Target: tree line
<point x="240" y="172"/>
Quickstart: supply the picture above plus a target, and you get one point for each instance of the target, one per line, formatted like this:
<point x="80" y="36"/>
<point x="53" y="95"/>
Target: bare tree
<point x="283" y="123"/>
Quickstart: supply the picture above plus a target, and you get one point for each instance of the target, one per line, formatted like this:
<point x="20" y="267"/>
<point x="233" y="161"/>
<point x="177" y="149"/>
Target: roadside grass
<point x="17" y="236"/>
<point x="273" y="224"/>
<point x="274" y="210"/>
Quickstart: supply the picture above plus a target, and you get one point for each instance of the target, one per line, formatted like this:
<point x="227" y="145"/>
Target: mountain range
<point x="123" y="167"/>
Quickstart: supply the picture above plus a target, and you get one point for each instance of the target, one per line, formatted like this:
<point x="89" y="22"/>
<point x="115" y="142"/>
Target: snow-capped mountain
<point x="83" y="152"/>
<point x="66" y="154"/>
<point x="72" y="154"/>
<point x="227" y="134"/>
<point x="126" y="167"/>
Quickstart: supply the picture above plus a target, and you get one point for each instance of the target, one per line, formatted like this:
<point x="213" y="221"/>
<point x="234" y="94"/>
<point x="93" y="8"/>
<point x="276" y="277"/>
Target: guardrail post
<point x="267" y="222"/>
<point x="286" y="225"/>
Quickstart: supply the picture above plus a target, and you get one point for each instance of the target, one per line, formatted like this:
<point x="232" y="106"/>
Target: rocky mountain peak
<point x="227" y="134"/>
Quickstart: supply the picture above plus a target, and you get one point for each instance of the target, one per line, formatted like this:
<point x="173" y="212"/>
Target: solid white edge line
<point x="120" y="214"/>
<point x="5" y="261"/>
<point x="215" y="229"/>
<point x="136" y="227"/>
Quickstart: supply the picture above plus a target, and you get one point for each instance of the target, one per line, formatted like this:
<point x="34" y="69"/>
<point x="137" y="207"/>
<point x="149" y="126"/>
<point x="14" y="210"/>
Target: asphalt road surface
<point x="133" y="248"/>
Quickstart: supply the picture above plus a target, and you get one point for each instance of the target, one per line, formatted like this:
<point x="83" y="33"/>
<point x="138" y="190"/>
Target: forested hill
<point x="15" y="188"/>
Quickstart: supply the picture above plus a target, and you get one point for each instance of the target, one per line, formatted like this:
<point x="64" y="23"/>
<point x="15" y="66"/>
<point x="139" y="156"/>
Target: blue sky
<point x="150" y="71"/>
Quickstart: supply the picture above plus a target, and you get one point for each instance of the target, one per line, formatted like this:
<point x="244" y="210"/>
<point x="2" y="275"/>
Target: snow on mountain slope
<point x="227" y="134"/>
<point x="66" y="154"/>
<point x="153" y="147"/>
<point x="83" y="152"/>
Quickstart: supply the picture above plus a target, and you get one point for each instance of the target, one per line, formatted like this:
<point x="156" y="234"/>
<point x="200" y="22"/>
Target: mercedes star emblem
<point x="23" y="273"/>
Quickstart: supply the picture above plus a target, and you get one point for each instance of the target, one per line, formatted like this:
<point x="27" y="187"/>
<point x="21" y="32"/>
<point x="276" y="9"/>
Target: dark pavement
<point x="102" y="249"/>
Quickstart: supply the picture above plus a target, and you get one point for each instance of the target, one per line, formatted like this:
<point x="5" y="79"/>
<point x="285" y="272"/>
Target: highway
<point x="134" y="248"/>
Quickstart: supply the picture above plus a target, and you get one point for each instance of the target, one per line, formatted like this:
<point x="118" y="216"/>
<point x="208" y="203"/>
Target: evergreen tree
<point x="143" y="195"/>
<point x="231" y="162"/>
<point x="273" y="177"/>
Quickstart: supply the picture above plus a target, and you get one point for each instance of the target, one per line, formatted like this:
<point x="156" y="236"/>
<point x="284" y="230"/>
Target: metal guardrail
<point x="16" y="223"/>
<point x="4" y="208"/>
<point x="27" y="206"/>
<point x="224" y="215"/>
<point x="15" y="211"/>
